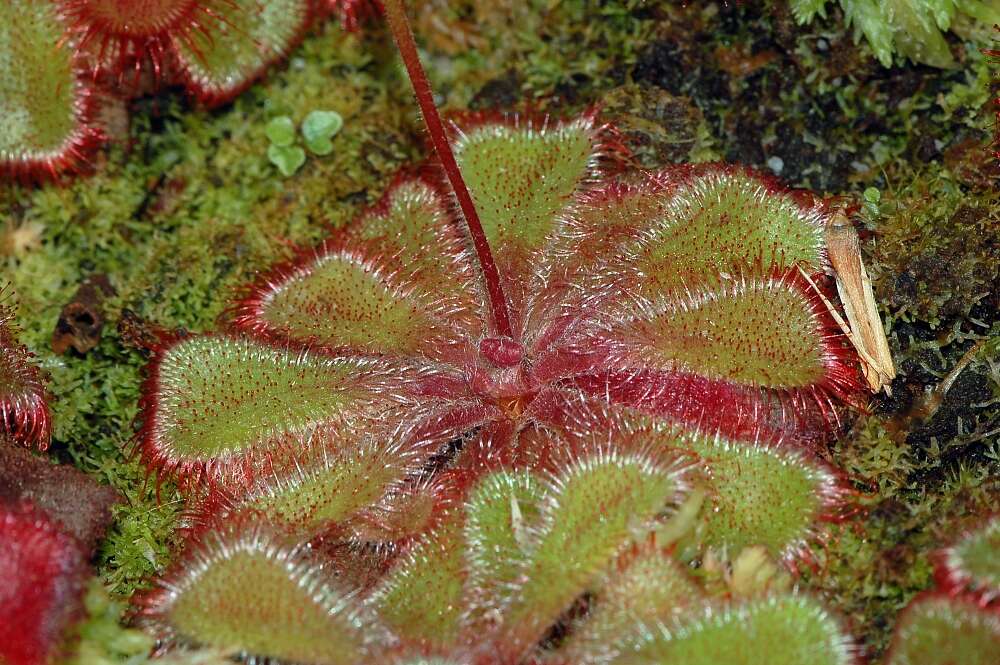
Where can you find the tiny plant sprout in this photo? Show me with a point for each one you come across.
(282, 151)
(318, 128)
(281, 131)
(288, 159)
(872, 197)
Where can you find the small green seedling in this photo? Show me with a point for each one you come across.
(318, 129)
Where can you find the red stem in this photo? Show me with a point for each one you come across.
(395, 13)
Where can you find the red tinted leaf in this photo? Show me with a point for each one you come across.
(42, 575)
(24, 413)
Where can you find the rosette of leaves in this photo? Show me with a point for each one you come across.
(367, 396)
(449, 424)
(53, 53)
(673, 299)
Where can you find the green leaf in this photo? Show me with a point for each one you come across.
(318, 128)
(499, 513)
(243, 590)
(805, 10)
(225, 56)
(753, 332)
(42, 98)
(714, 227)
(917, 33)
(335, 477)
(938, 630)
(755, 493)
(281, 131)
(781, 630)
(643, 586)
(761, 495)
(421, 598)
(220, 405)
(288, 159)
(593, 509)
(522, 175)
(412, 221)
(973, 563)
(868, 18)
(344, 297)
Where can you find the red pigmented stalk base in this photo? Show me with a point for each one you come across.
(396, 16)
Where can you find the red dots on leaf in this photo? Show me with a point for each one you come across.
(24, 412)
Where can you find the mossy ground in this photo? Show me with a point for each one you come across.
(185, 206)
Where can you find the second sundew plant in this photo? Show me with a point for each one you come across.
(496, 418)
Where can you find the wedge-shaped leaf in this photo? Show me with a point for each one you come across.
(413, 230)
(244, 589)
(938, 630)
(758, 494)
(44, 99)
(42, 577)
(718, 222)
(779, 630)
(763, 333)
(346, 298)
(217, 406)
(24, 412)
(973, 562)
(766, 348)
(331, 477)
(223, 57)
(522, 174)
(645, 585)
(499, 513)
(421, 598)
(594, 508)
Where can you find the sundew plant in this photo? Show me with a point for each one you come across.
(535, 405)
